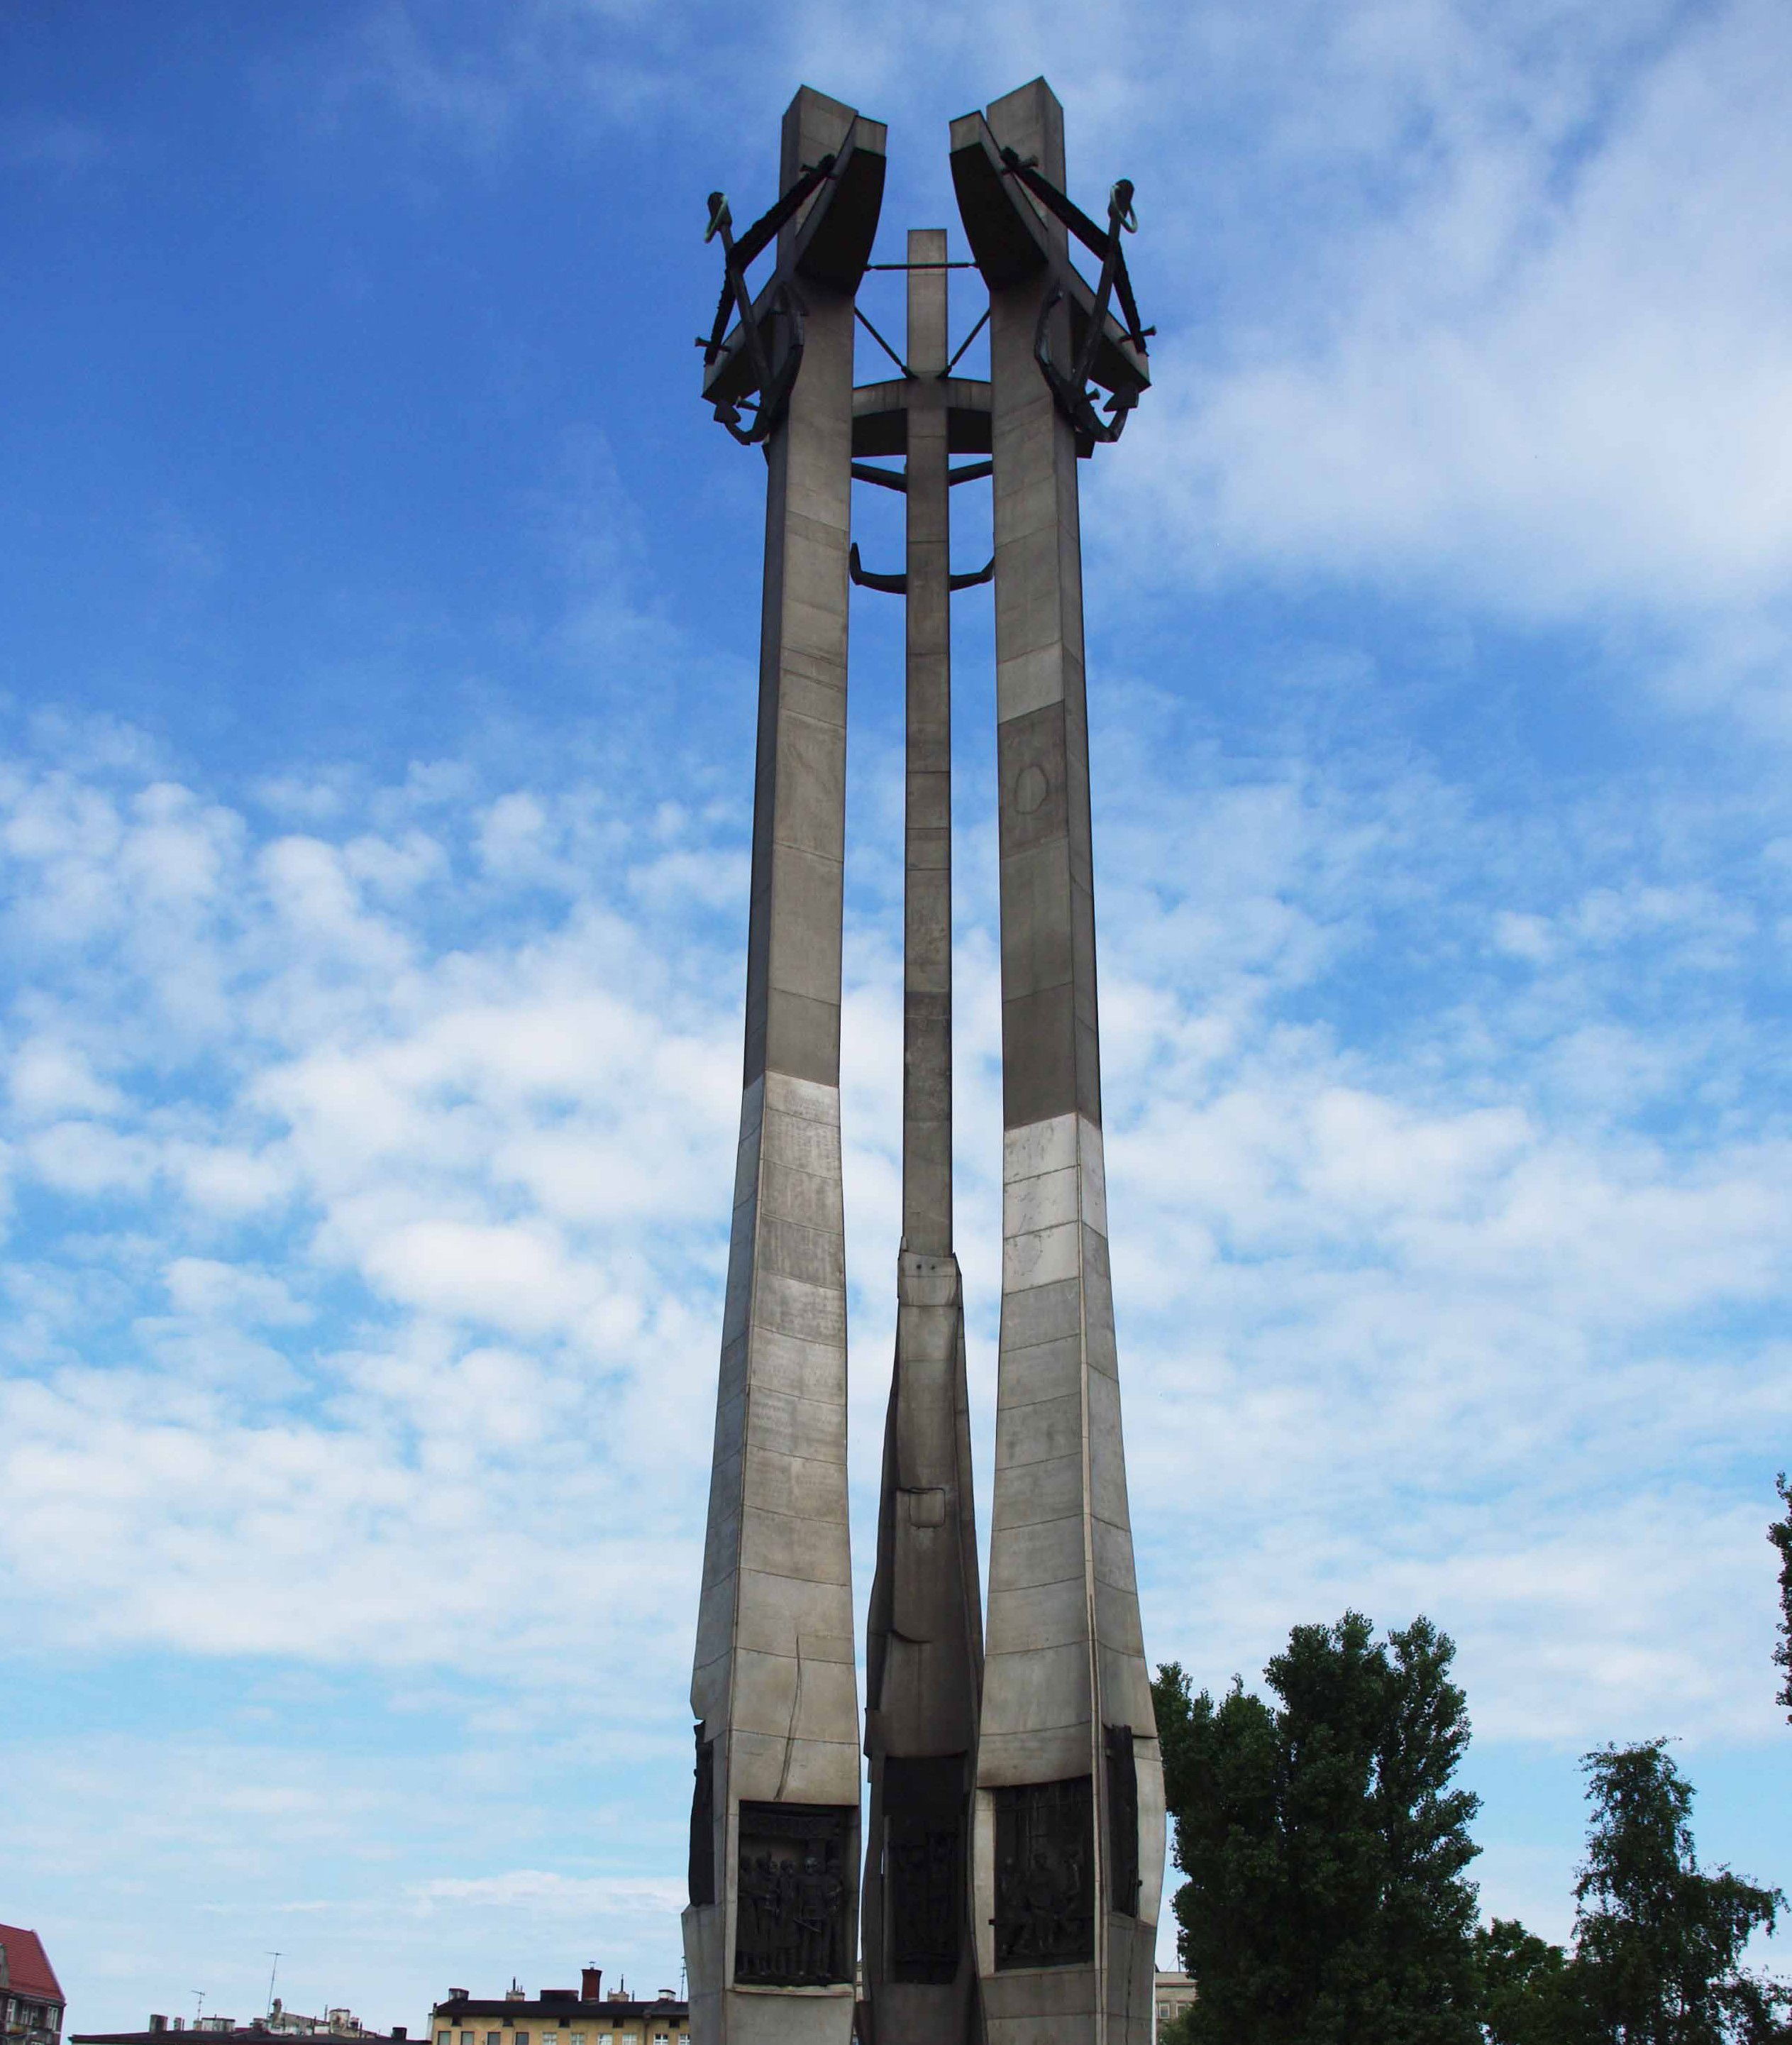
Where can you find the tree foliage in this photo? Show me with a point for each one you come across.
(1780, 1533)
(1659, 1943)
(1525, 1987)
(1324, 1845)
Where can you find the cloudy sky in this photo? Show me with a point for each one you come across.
(376, 678)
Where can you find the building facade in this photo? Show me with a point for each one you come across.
(1175, 1994)
(31, 1997)
(584, 2016)
(279, 2024)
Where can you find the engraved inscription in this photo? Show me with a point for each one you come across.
(793, 1917)
(1045, 1874)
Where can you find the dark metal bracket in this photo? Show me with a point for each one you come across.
(786, 307)
(898, 585)
(1075, 394)
(891, 478)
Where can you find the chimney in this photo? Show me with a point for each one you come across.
(591, 1985)
(158, 2023)
(401, 2030)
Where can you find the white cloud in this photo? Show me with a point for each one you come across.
(1548, 372)
(555, 1895)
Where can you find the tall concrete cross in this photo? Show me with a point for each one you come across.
(1047, 1783)
(771, 1934)
(923, 1637)
(1069, 1840)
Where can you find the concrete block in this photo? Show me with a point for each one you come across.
(1032, 1688)
(1125, 1689)
(814, 1313)
(1030, 753)
(1111, 1548)
(810, 1198)
(1093, 1151)
(1031, 1492)
(1039, 1067)
(1037, 947)
(1041, 1616)
(1044, 1201)
(807, 1100)
(765, 1694)
(1043, 1256)
(773, 1611)
(813, 1255)
(1035, 1994)
(1117, 1620)
(824, 1771)
(805, 923)
(1046, 1370)
(1049, 1552)
(811, 782)
(1044, 1433)
(1035, 1147)
(809, 1491)
(1027, 681)
(811, 1428)
(790, 1365)
(801, 1036)
(800, 1143)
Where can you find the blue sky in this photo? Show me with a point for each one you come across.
(376, 681)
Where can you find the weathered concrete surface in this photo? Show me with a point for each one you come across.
(1064, 1659)
(924, 1644)
(774, 1683)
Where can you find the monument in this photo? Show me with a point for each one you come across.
(1015, 1845)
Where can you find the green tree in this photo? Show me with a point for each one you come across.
(1525, 1988)
(1780, 1533)
(1658, 1942)
(1323, 1846)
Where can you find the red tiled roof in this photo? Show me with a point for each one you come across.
(28, 1965)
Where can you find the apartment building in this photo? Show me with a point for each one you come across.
(584, 2016)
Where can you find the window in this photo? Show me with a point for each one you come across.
(444, 2038)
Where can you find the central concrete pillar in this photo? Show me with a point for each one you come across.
(770, 1934)
(924, 1644)
(1069, 1844)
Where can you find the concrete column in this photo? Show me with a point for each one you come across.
(927, 934)
(1069, 1841)
(924, 1644)
(774, 1687)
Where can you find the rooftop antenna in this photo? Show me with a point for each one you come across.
(271, 1972)
(198, 1995)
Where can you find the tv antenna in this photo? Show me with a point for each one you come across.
(198, 1996)
(271, 1972)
